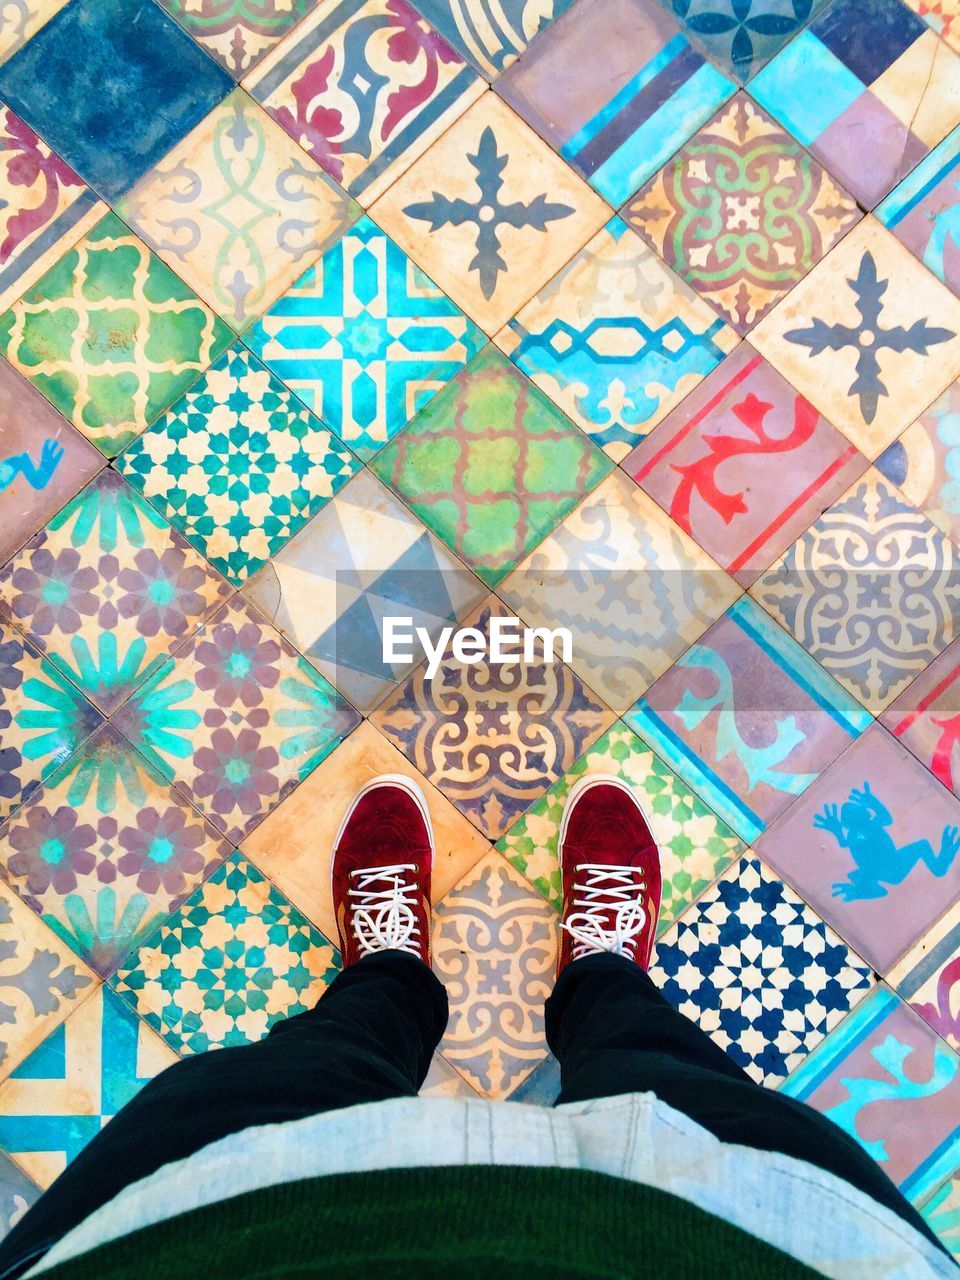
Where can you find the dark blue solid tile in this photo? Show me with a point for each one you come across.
(868, 35)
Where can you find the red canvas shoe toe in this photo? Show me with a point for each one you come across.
(382, 861)
(610, 870)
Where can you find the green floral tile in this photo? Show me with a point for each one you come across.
(491, 465)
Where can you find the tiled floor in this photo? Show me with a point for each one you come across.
(639, 317)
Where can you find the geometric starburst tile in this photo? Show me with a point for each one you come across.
(235, 719)
(491, 465)
(616, 339)
(19, 21)
(943, 16)
(741, 35)
(238, 33)
(491, 34)
(110, 335)
(748, 718)
(924, 211)
(107, 588)
(757, 970)
(232, 961)
(490, 213)
(492, 738)
(885, 1078)
(75, 1082)
(742, 212)
(924, 463)
(871, 590)
(872, 846)
(695, 845)
(365, 86)
(106, 849)
(709, 464)
(238, 210)
(868, 88)
(926, 717)
(17, 1191)
(365, 339)
(928, 977)
(869, 337)
(633, 91)
(238, 464)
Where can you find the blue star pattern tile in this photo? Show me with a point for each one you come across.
(491, 34)
(741, 35)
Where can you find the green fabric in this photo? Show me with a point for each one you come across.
(458, 1223)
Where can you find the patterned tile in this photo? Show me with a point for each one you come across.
(365, 338)
(748, 719)
(238, 33)
(709, 464)
(490, 213)
(942, 16)
(365, 86)
(41, 980)
(232, 961)
(888, 1081)
(60, 1098)
(616, 339)
(491, 466)
(363, 558)
(872, 846)
(89, 79)
(493, 737)
(295, 844)
(21, 19)
(238, 465)
(759, 971)
(110, 335)
(742, 212)
(923, 463)
(741, 35)
(491, 34)
(867, 337)
(871, 590)
(616, 88)
(632, 588)
(928, 977)
(238, 210)
(107, 588)
(235, 719)
(17, 1191)
(926, 717)
(442, 1081)
(106, 849)
(924, 211)
(887, 92)
(495, 949)
(695, 845)
(942, 1212)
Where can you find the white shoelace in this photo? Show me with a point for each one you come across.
(384, 913)
(607, 888)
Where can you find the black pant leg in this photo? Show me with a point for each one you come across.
(370, 1037)
(613, 1032)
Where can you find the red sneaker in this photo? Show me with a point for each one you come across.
(382, 859)
(610, 871)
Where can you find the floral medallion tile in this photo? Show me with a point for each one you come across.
(887, 91)
(868, 337)
(365, 86)
(491, 465)
(238, 464)
(491, 34)
(923, 212)
(238, 210)
(44, 206)
(20, 19)
(238, 33)
(928, 977)
(494, 943)
(926, 717)
(742, 212)
(616, 88)
(943, 16)
(17, 1192)
(871, 590)
(493, 737)
(886, 1079)
(709, 464)
(942, 1214)
(365, 339)
(41, 980)
(748, 719)
(630, 586)
(73, 1083)
(759, 971)
(695, 845)
(741, 37)
(294, 845)
(364, 558)
(43, 461)
(107, 588)
(490, 213)
(106, 849)
(232, 961)
(235, 719)
(110, 335)
(616, 339)
(872, 846)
